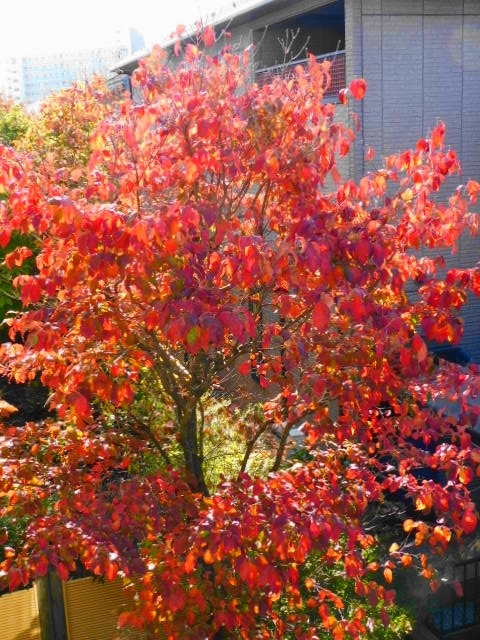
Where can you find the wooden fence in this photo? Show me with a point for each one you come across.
(91, 610)
(19, 619)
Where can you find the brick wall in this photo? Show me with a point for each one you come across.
(421, 60)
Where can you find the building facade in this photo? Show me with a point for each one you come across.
(31, 78)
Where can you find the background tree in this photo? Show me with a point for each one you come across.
(57, 140)
(13, 122)
(60, 132)
(200, 247)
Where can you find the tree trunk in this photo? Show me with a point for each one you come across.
(190, 446)
(51, 607)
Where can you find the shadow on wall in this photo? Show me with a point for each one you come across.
(32, 633)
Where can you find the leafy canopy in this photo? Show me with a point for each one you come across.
(199, 259)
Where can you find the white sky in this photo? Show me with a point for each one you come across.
(29, 26)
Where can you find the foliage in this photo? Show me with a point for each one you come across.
(198, 255)
(325, 586)
(9, 297)
(57, 140)
(59, 135)
(13, 122)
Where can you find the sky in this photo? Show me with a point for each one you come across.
(34, 26)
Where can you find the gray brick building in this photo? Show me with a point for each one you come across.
(421, 60)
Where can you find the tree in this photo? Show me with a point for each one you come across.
(57, 140)
(13, 122)
(202, 261)
(59, 135)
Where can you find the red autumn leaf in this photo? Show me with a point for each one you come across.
(457, 585)
(362, 251)
(245, 368)
(320, 316)
(63, 571)
(473, 189)
(31, 290)
(419, 347)
(342, 96)
(176, 599)
(208, 36)
(42, 566)
(14, 579)
(358, 88)
(17, 257)
(124, 619)
(438, 135)
(81, 406)
(469, 522)
(5, 237)
(384, 617)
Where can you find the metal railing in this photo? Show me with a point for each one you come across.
(337, 71)
(453, 612)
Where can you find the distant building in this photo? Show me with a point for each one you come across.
(31, 78)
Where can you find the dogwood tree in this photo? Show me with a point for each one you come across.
(200, 260)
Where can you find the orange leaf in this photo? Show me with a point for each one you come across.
(190, 562)
(123, 619)
(407, 560)
(75, 175)
(191, 171)
(6, 408)
(208, 557)
(465, 475)
(309, 584)
(443, 534)
(111, 571)
(408, 525)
